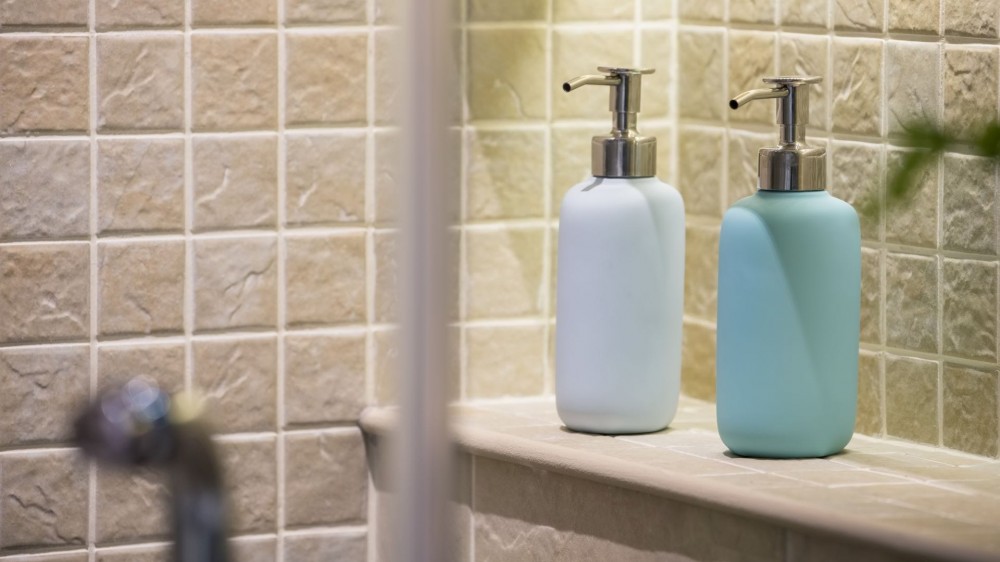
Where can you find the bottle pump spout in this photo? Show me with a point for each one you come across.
(623, 153)
(792, 165)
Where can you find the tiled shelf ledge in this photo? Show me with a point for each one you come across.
(902, 500)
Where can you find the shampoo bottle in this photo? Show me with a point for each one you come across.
(621, 279)
(789, 299)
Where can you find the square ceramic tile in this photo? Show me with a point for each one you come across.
(577, 52)
(325, 178)
(971, 18)
(504, 272)
(140, 185)
(969, 199)
(324, 378)
(751, 57)
(503, 73)
(44, 186)
(40, 392)
(47, 297)
(912, 84)
(233, 12)
(701, 177)
(504, 361)
(969, 313)
(44, 500)
(911, 389)
(325, 279)
(970, 409)
(333, 460)
(45, 13)
(911, 302)
(239, 379)
(495, 188)
(141, 287)
(140, 82)
(700, 58)
(51, 91)
(970, 89)
(139, 14)
(234, 81)
(327, 79)
(235, 283)
(856, 86)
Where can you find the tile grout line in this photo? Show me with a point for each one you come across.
(94, 279)
(371, 506)
(282, 279)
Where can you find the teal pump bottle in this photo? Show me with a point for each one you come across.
(789, 299)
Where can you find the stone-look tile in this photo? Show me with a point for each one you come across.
(664, 150)
(141, 553)
(251, 475)
(163, 363)
(970, 192)
(811, 13)
(974, 18)
(386, 276)
(235, 182)
(388, 11)
(504, 272)
(969, 318)
(572, 519)
(140, 82)
(504, 66)
(695, 10)
(857, 178)
(970, 89)
(701, 271)
(656, 100)
(45, 84)
(504, 361)
(914, 16)
(911, 302)
(325, 546)
(700, 181)
(575, 52)
(45, 189)
(698, 362)
(387, 170)
(701, 56)
(140, 185)
(235, 283)
(743, 148)
(239, 379)
(139, 13)
(857, 86)
(970, 409)
(911, 389)
(751, 11)
(858, 15)
(239, 12)
(44, 499)
(386, 344)
(325, 178)
(388, 79)
(332, 461)
(254, 549)
(325, 279)
(325, 11)
(871, 296)
(141, 287)
(571, 160)
(132, 505)
(496, 188)
(53, 381)
(869, 416)
(912, 79)
(585, 10)
(656, 10)
(324, 378)
(44, 290)
(45, 13)
(807, 55)
(914, 220)
(751, 55)
(327, 76)
(234, 81)
(514, 10)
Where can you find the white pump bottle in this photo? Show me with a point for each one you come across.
(621, 279)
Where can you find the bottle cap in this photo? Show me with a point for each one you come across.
(792, 165)
(623, 153)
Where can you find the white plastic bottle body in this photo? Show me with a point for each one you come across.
(619, 305)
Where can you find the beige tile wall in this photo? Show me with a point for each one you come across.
(203, 191)
(188, 192)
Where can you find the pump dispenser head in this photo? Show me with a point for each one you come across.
(623, 153)
(793, 165)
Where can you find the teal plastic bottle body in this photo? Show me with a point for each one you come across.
(788, 324)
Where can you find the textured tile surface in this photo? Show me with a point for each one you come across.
(970, 409)
(43, 292)
(44, 188)
(140, 289)
(870, 415)
(698, 361)
(911, 389)
(914, 220)
(324, 378)
(701, 271)
(325, 281)
(140, 82)
(239, 379)
(701, 56)
(504, 272)
(140, 13)
(498, 189)
(140, 185)
(44, 13)
(700, 177)
(44, 499)
(325, 11)
(43, 89)
(921, 16)
(221, 12)
(504, 361)
(911, 302)
(576, 52)
(132, 505)
(251, 483)
(333, 461)
(325, 179)
(235, 182)
(235, 282)
(970, 89)
(327, 77)
(911, 88)
(330, 546)
(33, 382)
(502, 76)
(969, 314)
(234, 81)
(975, 18)
(856, 86)
(969, 199)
